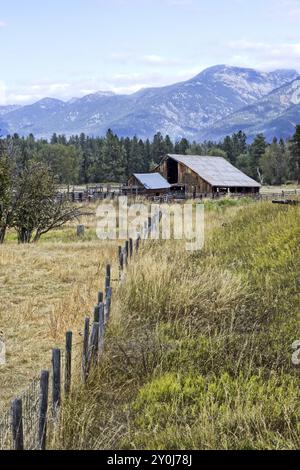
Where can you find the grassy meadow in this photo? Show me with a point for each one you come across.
(198, 353)
(46, 289)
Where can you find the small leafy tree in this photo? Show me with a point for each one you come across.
(35, 208)
(274, 163)
(217, 152)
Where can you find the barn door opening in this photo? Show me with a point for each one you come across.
(172, 171)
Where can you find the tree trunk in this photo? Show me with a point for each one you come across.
(24, 235)
(2, 234)
(37, 237)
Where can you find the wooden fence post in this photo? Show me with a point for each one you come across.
(17, 424)
(43, 408)
(126, 252)
(121, 259)
(108, 304)
(85, 351)
(93, 344)
(137, 244)
(100, 297)
(107, 281)
(108, 276)
(56, 380)
(96, 313)
(80, 230)
(101, 330)
(68, 363)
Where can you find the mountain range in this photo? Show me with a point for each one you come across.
(217, 102)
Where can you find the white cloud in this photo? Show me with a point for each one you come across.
(121, 83)
(151, 60)
(2, 24)
(19, 98)
(265, 56)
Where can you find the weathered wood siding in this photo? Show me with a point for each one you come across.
(187, 177)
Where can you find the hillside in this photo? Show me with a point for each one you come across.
(188, 109)
(275, 115)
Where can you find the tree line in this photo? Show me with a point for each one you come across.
(83, 159)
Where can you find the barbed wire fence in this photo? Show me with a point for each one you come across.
(25, 425)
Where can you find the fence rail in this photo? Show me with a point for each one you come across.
(26, 424)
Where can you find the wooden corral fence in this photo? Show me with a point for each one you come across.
(112, 191)
(26, 424)
(89, 193)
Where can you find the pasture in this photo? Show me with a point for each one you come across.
(45, 289)
(198, 350)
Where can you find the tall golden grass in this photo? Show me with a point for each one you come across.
(198, 355)
(47, 289)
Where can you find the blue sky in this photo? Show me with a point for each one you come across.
(66, 48)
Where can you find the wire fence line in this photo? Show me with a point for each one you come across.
(25, 425)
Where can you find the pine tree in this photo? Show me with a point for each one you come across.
(136, 164)
(228, 148)
(182, 147)
(239, 141)
(158, 148)
(54, 139)
(295, 154)
(256, 151)
(169, 147)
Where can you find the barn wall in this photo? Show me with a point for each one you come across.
(193, 182)
(187, 177)
(134, 182)
(162, 169)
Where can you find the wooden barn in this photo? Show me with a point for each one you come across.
(200, 175)
(148, 184)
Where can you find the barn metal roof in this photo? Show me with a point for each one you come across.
(152, 180)
(216, 171)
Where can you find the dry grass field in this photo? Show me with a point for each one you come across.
(46, 289)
